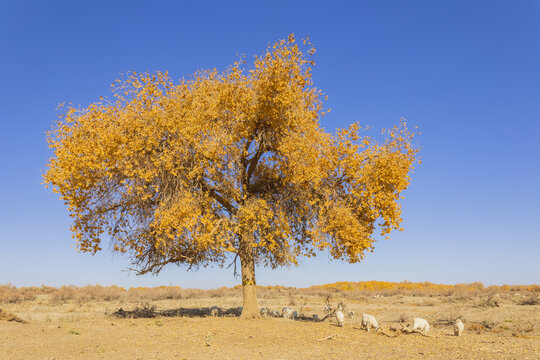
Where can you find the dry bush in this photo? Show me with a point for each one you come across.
(10, 317)
(143, 311)
(67, 293)
(291, 300)
(64, 294)
(156, 293)
(482, 326)
(46, 290)
(351, 291)
(10, 294)
(489, 301)
(98, 293)
(426, 303)
(223, 292)
(476, 327)
(403, 318)
(459, 298)
(523, 328)
(530, 300)
(448, 320)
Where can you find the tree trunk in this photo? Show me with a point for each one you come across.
(250, 309)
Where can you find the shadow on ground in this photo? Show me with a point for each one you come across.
(148, 311)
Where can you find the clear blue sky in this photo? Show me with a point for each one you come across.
(467, 73)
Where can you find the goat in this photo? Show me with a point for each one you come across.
(340, 317)
(420, 325)
(369, 321)
(264, 312)
(288, 313)
(458, 327)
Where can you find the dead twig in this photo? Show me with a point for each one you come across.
(335, 336)
(381, 330)
(207, 339)
(408, 331)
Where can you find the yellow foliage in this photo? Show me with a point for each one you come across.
(424, 287)
(190, 172)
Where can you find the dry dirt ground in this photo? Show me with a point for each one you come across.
(72, 330)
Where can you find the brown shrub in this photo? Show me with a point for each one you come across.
(9, 294)
(523, 328)
(403, 318)
(488, 301)
(531, 300)
(10, 317)
(481, 326)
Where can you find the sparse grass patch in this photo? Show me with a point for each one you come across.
(521, 329)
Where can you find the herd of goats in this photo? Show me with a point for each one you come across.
(368, 322)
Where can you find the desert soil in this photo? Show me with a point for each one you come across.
(89, 331)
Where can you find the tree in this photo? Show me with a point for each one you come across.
(226, 164)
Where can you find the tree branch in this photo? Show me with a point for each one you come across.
(216, 196)
(255, 159)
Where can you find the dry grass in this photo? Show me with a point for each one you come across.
(12, 295)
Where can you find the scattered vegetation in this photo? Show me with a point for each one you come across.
(361, 291)
(10, 317)
(530, 300)
(522, 329)
(482, 326)
(489, 301)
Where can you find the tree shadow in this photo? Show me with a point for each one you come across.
(150, 311)
(147, 311)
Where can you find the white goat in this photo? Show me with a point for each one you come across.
(315, 317)
(458, 327)
(275, 313)
(420, 325)
(340, 317)
(369, 321)
(264, 312)
(287, 313)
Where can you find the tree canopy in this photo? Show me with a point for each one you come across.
(226, 163)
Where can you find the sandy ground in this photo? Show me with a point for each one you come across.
(89, 331)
